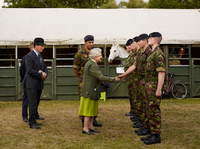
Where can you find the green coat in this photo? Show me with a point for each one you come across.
(91, 81)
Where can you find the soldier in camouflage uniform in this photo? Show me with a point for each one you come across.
(129, 78)
(80, 59)
(140, 64)
(130, 46)
(154, 77)
(135, 82)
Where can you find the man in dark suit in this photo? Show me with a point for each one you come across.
(36, 73)
(25, 100)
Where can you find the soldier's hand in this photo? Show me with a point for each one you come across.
(117, 79)
(158, 93)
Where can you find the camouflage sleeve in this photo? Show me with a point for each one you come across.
(76, 63)
(135, 61)
(160, 62)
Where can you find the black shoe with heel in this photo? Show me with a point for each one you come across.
(94, 130)
(87, 132)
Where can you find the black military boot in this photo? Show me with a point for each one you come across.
(144, 132)
(137, 125)
(147, 137)
(132, 117)
(96, 124)
(135, 119)
(129, 114)
(153, 139)
(136, 131)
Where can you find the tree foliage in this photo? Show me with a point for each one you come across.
(54, 3)
(174, 4)
(110, 4)
(136, 4)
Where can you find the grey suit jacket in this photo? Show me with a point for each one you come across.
(33, 65)
(91, 81)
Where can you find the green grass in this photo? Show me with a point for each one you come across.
(62, 127)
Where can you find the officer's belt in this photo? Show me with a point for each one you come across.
(141, 77)
(151, 79)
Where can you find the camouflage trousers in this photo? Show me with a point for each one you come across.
(141, 100)
(130, 93)
(135, 95)
(80, 85)
(152, 108)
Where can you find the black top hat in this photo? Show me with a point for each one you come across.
(39, 41)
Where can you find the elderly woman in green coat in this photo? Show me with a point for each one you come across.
(90, 91)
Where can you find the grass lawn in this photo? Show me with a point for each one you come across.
(62, 127)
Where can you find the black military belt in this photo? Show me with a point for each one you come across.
(142, 77)
(151, 79)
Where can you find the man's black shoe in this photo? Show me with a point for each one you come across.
(155, 138)
(144, 132)
(39, 118)
(96, 124)
(147, 137)
(25, 119)
(138, 125)
(130, 114)
(136, 131)
(35, 126)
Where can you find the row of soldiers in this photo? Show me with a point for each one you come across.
(145, 72)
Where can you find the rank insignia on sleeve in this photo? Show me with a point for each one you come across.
(160, 57)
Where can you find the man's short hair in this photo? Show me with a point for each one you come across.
(31, 44)
(159, 39)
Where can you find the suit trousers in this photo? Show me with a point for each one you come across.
(34, 99)
(25, 102)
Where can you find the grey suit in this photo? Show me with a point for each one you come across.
(91, 81)
(34, 83)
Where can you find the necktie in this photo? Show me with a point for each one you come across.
(39, 56)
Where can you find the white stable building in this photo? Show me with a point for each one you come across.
(64, 29)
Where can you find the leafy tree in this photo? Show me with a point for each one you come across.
(54, 3)
(136, 4)
(122, 4)
(110, 4)
(174, 4)
(133, 4)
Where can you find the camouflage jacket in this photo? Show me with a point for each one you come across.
(155, 63)
(129, 61)
(140, 61)
(80, 59)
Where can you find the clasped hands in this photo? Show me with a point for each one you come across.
(119, 78)
(44, 75)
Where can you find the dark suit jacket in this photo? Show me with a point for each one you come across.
(22, 70)
(92, 79)
(33, 78)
